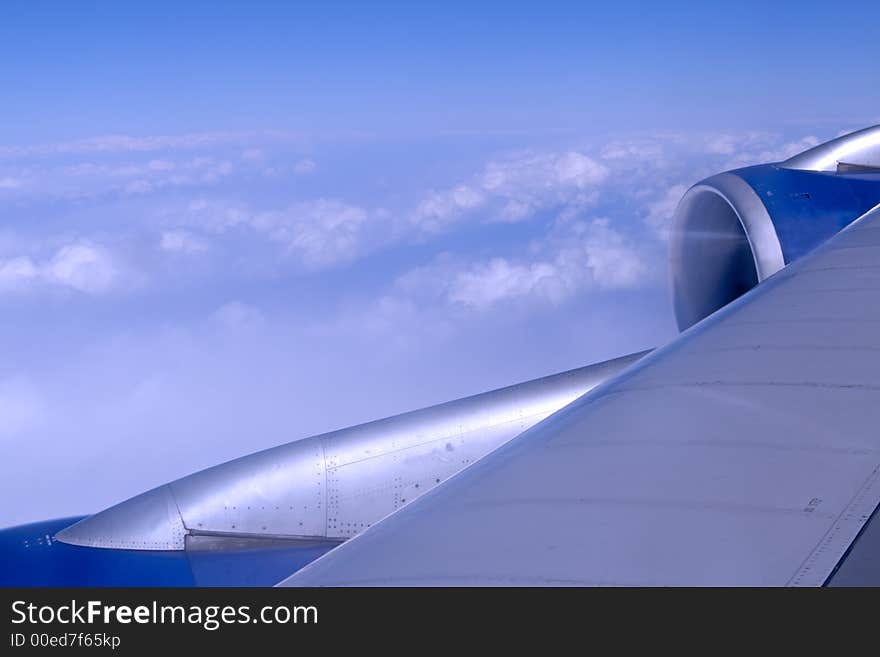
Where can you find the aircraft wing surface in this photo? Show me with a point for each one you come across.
(745, 452)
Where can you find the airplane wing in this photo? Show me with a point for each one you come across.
(745, 452)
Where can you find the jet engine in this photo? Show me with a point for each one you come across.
(735, 229)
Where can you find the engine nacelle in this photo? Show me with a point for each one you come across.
(735, 229)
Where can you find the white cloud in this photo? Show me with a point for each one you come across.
(324, 232)
(581, 256)
(612, 261)
(181, 241)
(17, 273)
(543, 172)
(499, 279)
(321, 233)
(755, 148)
(134, 178)
(723, 144)
(82, 266)
(790, 149)
(216, 216)
(660, 211)
(437, 208)
(514, 189)
(635, 177)
(327, 232)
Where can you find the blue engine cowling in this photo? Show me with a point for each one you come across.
(733, 230)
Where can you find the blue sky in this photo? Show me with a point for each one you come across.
(225, 226)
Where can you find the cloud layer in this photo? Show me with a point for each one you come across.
(178, 301)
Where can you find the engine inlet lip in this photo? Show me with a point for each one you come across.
(755, 225)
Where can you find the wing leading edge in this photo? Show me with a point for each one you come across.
(745, 452)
